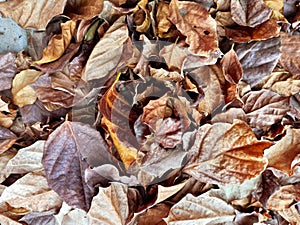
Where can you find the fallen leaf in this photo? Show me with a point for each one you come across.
(7, 139)
(83, 9)
(165, 28)
(174, 56)
(204, 209)
(58, 43)
(66, 158)
(249, 13)
(32, 14)
(8, 69)
(164, 193)
(27, 159)
(258, 59)
(194, 21)
(7, 221)
(44, 218)
(290, 53)
(264, 108)
(141, 17)
(277, 7)
(153, 215)
(162, 74)
(70, 216)
(4, 159)
(22, 93)
(105, 58)
(226, 153)
(289, 146)
(111, 205)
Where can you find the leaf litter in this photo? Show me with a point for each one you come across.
(151, 112)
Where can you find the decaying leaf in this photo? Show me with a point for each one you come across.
(8, 69)
(194, 21)
(44, 218)
(289, 146)
(164, 26)
(66, 157)
(83, 9)
(207, 208)
(32, 14)
(4, 160)
(225, 153)
(249, 13)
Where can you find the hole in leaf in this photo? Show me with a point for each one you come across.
(206, 32)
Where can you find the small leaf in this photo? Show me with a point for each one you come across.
(7, 139)
(83, 9)
(40, 218)
(8, 69)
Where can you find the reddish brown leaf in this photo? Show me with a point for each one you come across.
(290, 57)
(194, 21)
(258, 59)
(249, 13)
(66, 157)
(225, 153)
(164, 26)
(264, 108)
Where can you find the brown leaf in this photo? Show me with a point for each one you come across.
(225, 153)
(277, 7)
(230, 115)
(249, 13)
(32, 13)
(105, 58)
(290, 56)
(66, 158)
(289, 147)
(194, 21)
(231, 67)
(174, 56)
(111, 205)
(4, 160)
(154, 215)
(83, 9)
(58, 43)
(69, 215)
(7, 221)
(264, 108)
(162, 74)
(22, 93)
(141, 17)
(207, 208)
(258, 59)
(264, 31)
(164, 26)
(7, 139)
(284, 197)
(8, 69)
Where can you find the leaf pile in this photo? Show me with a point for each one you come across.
(151, 112)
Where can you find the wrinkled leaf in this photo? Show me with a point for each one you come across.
(194, 21)
(32, 13)
(83, 9)
(8, 69)
(7, 139)
(225, 153)
(164, 26)
(44, 218)
(264, 108)
(289, 147)
(207, 208)
(249, 13)
(66, 156)
(4, 160)
(258, 59)
(70, 216)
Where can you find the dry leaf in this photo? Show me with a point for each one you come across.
(165, 28)
(194, 21)
(83, 9)
(22, 93)
(207, 208)
(58, 43)
(289, 147)
(7, 139)
(27, 159)
(7, 221)
(249, 13)
(4, 160)
(8, 69)
(264, 108)
(40, 218)
(258, 59)
(70, 216)
(290, 57)
(141, 17)
(32, 13)
(277, 7)
(225, 153)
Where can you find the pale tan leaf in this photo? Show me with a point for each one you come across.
(4, 160)
(22, 93)
(7, 221)
(277, 7)
(165, 192)
(162, 74)
(70, 216)
(282, 154)
(284, 197)
(32, 13)
(249, 13)
(194, 21)
(226, 153)
(107, 54)
(207, 208)
(58, 43)
(28, 159)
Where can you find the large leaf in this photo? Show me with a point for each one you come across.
(264, 108)
(226, 153)
(69, 150)
(207, 208)
(108, 52)
(32, 13)
(249, 13)
(194, 21)
(290, 56)
(284, 152)
(8, 69)
(258, 59)
(112, 206)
